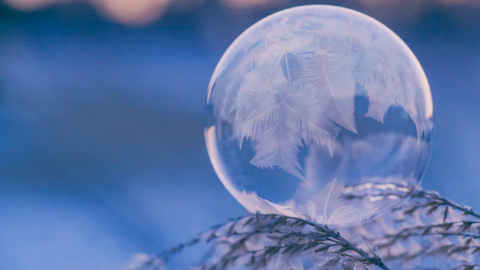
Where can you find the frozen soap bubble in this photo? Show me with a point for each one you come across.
(319, 112)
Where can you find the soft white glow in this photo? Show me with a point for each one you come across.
(241, 4)
(146, 11)
(132, 12)
(28, 4)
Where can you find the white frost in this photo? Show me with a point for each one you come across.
(296, 86)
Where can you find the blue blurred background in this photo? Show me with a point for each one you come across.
(101, 112)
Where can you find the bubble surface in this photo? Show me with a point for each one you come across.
(319, 112)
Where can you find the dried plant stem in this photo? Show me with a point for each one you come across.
(435, 199)
(425, 218)
(344, 243)
(319, 238)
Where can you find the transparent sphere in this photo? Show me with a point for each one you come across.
(319, 112)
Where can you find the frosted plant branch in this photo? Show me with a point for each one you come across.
(322, 239)
(434, 200)
(424, 229)
(263, 241)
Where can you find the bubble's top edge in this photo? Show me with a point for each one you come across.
(411, 55)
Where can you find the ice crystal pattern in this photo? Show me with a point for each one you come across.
(327, 207)
(330, 207)
(296, 82)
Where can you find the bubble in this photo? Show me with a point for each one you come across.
(319, 112)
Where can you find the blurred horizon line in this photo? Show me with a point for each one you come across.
(144, 12)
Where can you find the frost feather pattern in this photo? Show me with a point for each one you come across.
(296, 85)
(329, 207)
(279, 123)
